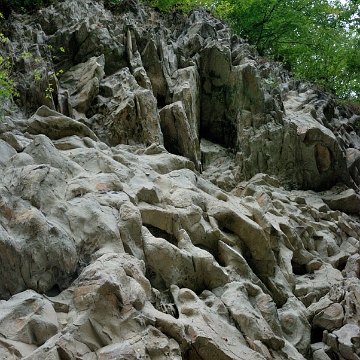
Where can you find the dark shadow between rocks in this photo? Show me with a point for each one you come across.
(298, 269)
(159, 233)
(54, 291)
(316, 334)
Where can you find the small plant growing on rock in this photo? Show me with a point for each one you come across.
(23, 6)
(34, 64)
(7, 86)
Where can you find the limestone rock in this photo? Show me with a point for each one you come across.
(352, 268)
(330, 318)
(238, 298)
(185, 266)
(179, 138)
(55, 125)
(347, 201)
(311, 288)
(35, 253)
(28, 317)
(351, 306)
(353, 163)
(41, 151)
(319, 351)
(130, 119)
(164, 202)
(348, 338)
(82, 83)
(7, 151)
(225, 343)
(296, 329)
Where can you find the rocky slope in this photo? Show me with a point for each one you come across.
(166, 194)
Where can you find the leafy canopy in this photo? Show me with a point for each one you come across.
(319, 40)
(6, 6)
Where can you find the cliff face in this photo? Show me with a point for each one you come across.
(166, 194)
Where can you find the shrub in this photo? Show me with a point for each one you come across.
(7, 86)
(7, 6)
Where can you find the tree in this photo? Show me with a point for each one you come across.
(7, 6)
(318, 39)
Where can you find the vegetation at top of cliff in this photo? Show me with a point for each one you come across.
(318, 40)
(7, 6)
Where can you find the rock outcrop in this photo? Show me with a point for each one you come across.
(173, 196)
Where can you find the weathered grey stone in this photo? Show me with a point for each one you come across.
(7, 151)
(55, 125)
(348, 336)
(353, 163)
(294, 324)
(35, 252)
(351, 304)
(312, 288)
(67, 346)
(238, 298)
(82, 83)
(319, 351)
(179, 137)
(83, 184)
(347, 201)
(43, 152)
(16, 141)
(330, 318)
(126, 113)
(226, 342)
(28, 317)
(143, 243)
(186, 266)
(352, 268)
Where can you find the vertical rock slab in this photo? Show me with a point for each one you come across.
(179, 137)
(125, 112)
(82, 83)
(180, 121)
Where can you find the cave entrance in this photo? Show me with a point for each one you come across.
(218, 122)
(220, 131)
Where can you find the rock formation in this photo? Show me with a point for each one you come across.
(167, 194)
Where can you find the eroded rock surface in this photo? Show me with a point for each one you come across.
(168, 201)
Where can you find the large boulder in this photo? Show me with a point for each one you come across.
(29, 318)
(56, 126)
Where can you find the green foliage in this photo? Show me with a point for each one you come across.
(316, 38)
(6, 6)
(37, 75)
(7, 86)
(35, 63)
(319, 40)
(173, 5)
